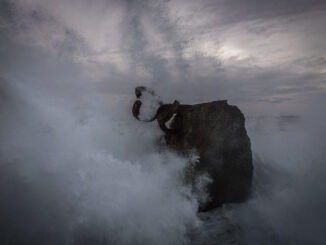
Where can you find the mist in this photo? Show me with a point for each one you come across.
(63, 181)
(77, 168)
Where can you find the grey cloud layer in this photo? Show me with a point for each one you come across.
(245, 51)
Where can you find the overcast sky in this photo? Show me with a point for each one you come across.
(265, 56)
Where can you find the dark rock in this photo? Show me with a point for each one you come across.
(216, 130)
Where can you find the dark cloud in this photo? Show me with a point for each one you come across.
(236, 11)
(166, 66)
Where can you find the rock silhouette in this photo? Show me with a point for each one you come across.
(216, 130)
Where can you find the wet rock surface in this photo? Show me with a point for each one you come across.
(216, 131)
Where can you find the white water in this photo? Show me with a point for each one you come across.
(82, 176)
(68, 178)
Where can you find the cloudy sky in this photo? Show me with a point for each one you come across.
(262, 55)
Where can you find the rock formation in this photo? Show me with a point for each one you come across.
(216, 131)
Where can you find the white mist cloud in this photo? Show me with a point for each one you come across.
(73, 185)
